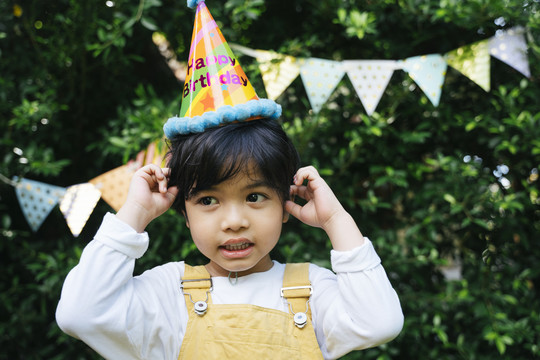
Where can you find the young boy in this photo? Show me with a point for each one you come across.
(232, 172)
(235, 198)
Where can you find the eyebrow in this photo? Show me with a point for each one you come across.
(250, 186)
(257, 184)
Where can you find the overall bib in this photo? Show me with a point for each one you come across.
(244, 331)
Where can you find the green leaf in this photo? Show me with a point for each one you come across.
(449, 198)
(501, 346)
(376, 131)
(119, 142)
(149, 24)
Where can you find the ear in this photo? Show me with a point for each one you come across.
(285, 213)
(285, 216)
(185, 216)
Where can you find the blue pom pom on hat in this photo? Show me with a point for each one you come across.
(216, 90)
(193, 3)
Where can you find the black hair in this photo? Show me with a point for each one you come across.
(202, 160)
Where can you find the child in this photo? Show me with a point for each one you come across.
(232, 183)
(234, 197)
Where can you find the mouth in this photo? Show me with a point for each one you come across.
(236, 248)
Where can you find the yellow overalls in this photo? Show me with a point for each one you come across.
(244, 331)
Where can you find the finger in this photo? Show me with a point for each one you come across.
(151, 169)
(293, 189)
(173, 190)
(293, 209)
(162, 182)
(306, 173)
(158, 171)
(155, 177)
(301, 191)
(172, 193)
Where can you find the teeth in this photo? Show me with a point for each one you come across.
(233, 247)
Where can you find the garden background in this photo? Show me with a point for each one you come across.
(447, 193)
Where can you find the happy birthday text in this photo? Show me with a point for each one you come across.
(208, 79)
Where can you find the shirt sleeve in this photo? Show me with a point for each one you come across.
(116, 314)
(355, 308)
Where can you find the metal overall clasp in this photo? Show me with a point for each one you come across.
(200, 307)
(300, 318)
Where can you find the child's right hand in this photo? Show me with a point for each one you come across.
(148, 197)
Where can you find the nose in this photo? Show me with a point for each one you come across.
(234, 218)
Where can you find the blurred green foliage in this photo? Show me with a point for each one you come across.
(83, 89)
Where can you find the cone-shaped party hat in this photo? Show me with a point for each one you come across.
(216, 90)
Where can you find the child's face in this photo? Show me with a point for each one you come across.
(236, 224)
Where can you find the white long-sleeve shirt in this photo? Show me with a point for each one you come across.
(144, 317)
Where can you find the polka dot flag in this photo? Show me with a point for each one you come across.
(370, 78)
(473, 61)
(278, 72)
(114, 185)
(320, 78)
(37, 199)
(428, 72)
(510, 47)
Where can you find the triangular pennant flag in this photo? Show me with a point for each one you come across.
(37, 199)
(473, 61)
(114, 185)
(510, 47)
(278, 71)
(77, 205)
(369, 78)
(320, 78)
(428, 72)
(156, 153)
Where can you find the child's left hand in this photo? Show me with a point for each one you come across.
(322, 205)
(323, 209)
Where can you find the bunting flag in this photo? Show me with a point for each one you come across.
(114, 185)
(320, 78)
(370, 78)
(473, 61)
(510, 47)
(428, 72)
(77, 205)
(278, 72)
(77, 202)
(156, 153)
(37, 199)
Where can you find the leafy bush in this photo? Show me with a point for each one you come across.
(446, 190)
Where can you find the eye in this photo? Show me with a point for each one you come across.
(255, 198)
(207, 201)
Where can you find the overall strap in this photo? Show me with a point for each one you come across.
(196, 285)
(297, 287)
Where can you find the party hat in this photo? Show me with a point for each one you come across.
(216, 90)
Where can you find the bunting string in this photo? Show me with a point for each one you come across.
(320, 78)
(77, 202)
(371, 77)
